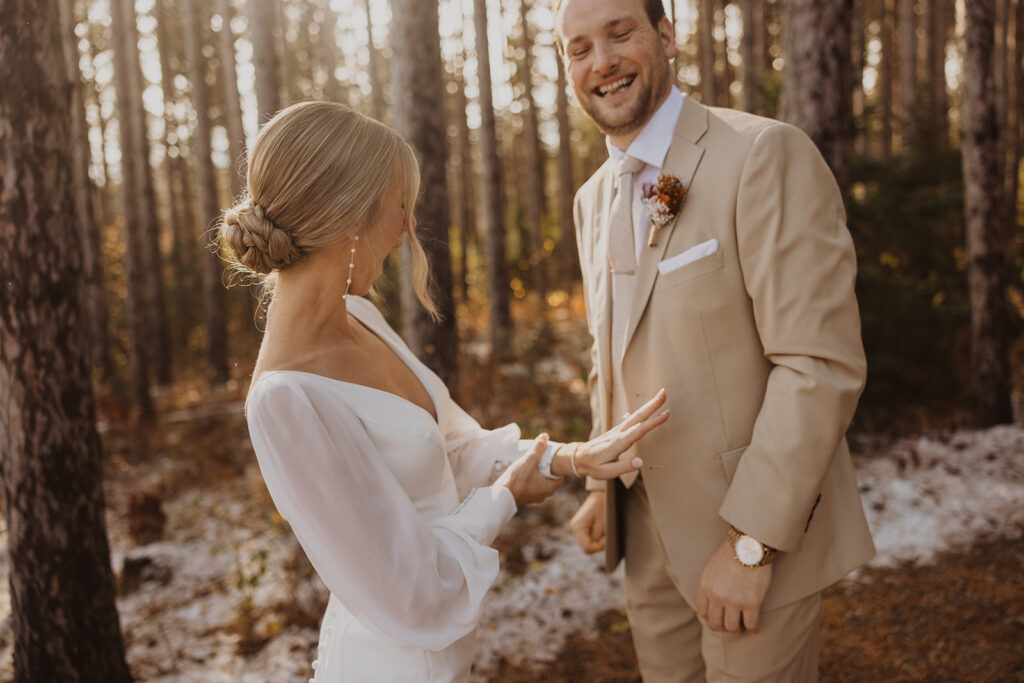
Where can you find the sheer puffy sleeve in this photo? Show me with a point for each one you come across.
(416, 581)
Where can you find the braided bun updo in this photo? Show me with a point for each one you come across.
(256, 242)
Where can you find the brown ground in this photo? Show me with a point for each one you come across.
(961, 619)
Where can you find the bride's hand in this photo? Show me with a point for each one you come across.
(523, 478)
(599, 458)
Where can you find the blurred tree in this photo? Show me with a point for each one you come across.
(157, 328)
(490, 195)
(753, 62)
(706, 37)
(858, 60)
(535, 162)
(885, 76)
(376, 86)
(983, 220)
(907, 21)
(264, 57)
(567, 257)
(94, 293)
(332, 88)
(419, 85)
(816, 83)
(134, 262)
(63, 618)
(936, 34)
(465, 213)
(232, 102)
(206, 187)
(725, 74)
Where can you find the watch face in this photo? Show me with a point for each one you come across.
(748, 550)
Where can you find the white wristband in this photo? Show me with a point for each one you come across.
(544, 467)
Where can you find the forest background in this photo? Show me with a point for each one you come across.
(917, 105)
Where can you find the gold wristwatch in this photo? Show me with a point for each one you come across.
(749, 551)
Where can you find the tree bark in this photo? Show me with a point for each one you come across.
(261, 33)
(706, 33)
(885, 77)
(94, 292)
(333, 92)
(491, 193)
(908, 68)
(983, 217)
(535, 164)
(419, 84)
(63, 617)
(466, 213)
(206, 186)
(232, 103)
(376, 86)
(134, 264)
(752, 65)
(815, 87)
(935, 36)
(858, 102)
(157, 325)
(568, 258)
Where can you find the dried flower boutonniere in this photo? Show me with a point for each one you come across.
(662, 201)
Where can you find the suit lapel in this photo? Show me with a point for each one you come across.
(683, 158)
(602, 288)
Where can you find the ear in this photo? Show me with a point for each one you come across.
(667, 34)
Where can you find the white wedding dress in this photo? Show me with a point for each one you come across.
(393, 510)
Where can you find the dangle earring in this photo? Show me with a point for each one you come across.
(351, 265)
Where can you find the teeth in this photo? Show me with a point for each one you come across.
(611, 87)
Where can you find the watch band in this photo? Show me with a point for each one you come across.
(735, 536)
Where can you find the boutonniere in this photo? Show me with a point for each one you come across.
(662, 201)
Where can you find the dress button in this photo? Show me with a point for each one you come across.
(316, 663)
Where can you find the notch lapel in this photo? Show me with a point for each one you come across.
(684, 156)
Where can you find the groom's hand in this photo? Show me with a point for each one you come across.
(587, 524)
(730, 595)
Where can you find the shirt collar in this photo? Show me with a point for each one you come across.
(651, 144)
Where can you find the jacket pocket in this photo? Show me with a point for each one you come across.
(730, 460)
(691, 270)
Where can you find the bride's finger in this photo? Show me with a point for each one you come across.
(646, 410)
(617, 468)
(539, 444)
(637, 431)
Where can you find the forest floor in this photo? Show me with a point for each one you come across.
(213, 586)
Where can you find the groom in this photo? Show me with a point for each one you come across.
(741, 304)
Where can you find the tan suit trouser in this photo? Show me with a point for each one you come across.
(673, 644)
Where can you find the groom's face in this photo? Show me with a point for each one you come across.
(618, 63)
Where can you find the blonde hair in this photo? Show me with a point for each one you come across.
(317, 173)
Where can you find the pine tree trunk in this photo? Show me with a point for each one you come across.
(261, 33)
(333, 92)
(94, 293)
(816, 87)
(908, 68)
(157, 325)
(206, 186)
(858, 103)
(751, 75)
(376, 86)
(232, 103)
(1016, 137)
(63, 618)
(983, 218)
(725, 72)
(706, 32)
(885, 77)
(935, 36)
(491, 194)
(466, 214)
(568, 258)
(134, 262)
(534, 196)
(419, 84)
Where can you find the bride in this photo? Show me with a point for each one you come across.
(394, 492)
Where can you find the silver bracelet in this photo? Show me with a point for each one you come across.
(544, 467)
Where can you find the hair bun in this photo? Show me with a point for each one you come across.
(256, 241)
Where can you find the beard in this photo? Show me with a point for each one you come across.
(638, 112)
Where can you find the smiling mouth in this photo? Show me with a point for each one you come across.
(615, 86)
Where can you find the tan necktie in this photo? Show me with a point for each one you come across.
(621, 247)
(622, 260)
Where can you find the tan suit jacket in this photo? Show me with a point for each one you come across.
(758, 346)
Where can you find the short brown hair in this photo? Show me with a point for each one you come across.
(654, 8)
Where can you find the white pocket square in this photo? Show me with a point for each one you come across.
(689, 256)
